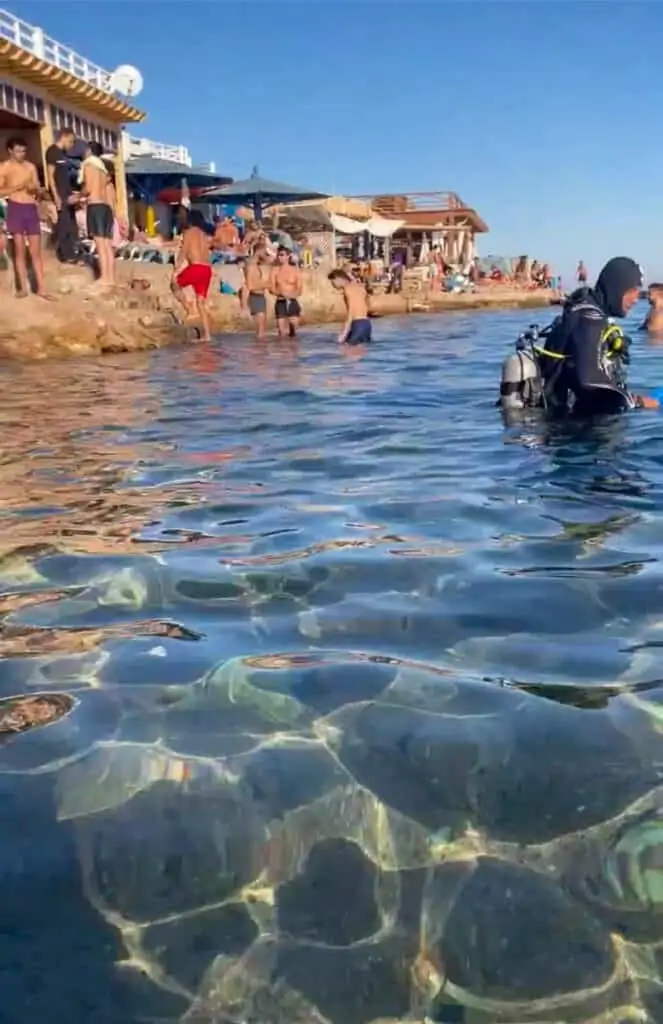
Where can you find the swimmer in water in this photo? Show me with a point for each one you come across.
(357, 327)
(654, 319)
(286, 285)
(193, 270)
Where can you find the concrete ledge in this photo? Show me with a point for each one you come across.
(82, 321)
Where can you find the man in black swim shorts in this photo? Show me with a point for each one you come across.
(99, 212)
(286, 283)
(257, 277)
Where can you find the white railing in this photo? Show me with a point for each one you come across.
(160, 150)
(35, 41)
(135, 147)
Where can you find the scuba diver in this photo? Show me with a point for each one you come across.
(578, 364)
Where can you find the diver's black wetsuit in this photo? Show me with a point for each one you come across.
(584, 371)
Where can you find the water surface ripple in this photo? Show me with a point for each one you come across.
(357, 694)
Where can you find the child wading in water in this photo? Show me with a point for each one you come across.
(193, 270)
(357, 327)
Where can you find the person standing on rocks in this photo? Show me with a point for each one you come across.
(193, 270)
(58, 172)
(19, 184)
(99, 212)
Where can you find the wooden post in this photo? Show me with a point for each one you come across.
(121, 185)
(45, 134)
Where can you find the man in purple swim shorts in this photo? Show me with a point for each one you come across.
(19, 184)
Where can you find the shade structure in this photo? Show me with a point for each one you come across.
(147, 176)
(259, 192)
(307, 217)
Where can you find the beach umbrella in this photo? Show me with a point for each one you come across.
(259, 192)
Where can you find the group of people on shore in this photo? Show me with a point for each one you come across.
(27, 202)
(264, 278)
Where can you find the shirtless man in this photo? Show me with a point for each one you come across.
(98, 190)
(226, 235)
(192, 270)
(654, 320)
(257, 277)
(357, 327)
(286, 284)
(254, 237)
(19, 183)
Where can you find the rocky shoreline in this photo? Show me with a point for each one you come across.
(141, 315)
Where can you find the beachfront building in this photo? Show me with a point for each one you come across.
(156, 173)
(134, 148)
(45, 85)
(429, 220)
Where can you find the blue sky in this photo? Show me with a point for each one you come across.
(546, 117)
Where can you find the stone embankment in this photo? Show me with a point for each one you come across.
(82, 320)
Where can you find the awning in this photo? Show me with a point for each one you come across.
(346, 225)
(383, 227)
(379, 227)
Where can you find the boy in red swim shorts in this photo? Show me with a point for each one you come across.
(193, 270)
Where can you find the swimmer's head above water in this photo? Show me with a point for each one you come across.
(654, 319)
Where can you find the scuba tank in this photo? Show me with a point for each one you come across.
(521, 385)
(529, 374)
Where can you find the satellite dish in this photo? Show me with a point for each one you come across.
(127, 80)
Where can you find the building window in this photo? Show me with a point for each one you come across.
(84, 130)
(17, 101)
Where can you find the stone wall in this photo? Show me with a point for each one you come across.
(142, 314)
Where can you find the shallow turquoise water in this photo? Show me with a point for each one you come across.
(366, 690)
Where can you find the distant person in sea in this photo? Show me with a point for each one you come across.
(654, 320)
(287, 285)
(257, 281)
(357, 327)
(582, 359)
(19, 185)
(97, 190)
(193, 270)
(581, 274)
(66, 198)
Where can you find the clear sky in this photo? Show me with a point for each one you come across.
(544, 116)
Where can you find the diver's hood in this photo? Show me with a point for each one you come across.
(618, 276)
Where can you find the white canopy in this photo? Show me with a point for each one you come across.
(379, 227)
(383, 227)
